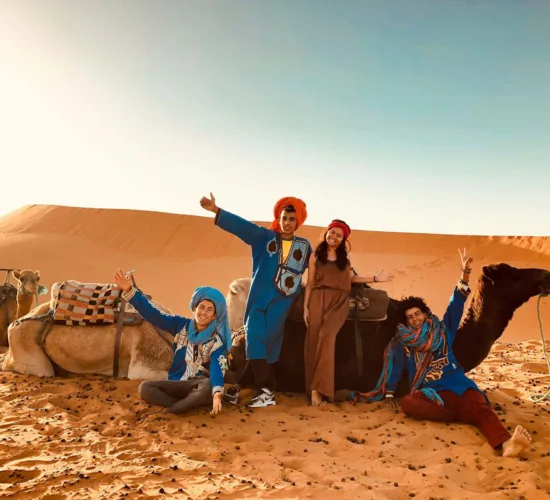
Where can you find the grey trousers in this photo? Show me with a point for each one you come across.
(177, 395)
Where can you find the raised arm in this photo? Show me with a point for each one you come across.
(247, 231)
(168, 322)
(455, 309)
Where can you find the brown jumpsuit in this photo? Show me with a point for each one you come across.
(328, 310)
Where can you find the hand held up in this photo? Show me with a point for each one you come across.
(209, 203)
(122, 281)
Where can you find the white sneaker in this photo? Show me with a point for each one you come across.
(264, 398)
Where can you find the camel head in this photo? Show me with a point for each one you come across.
(516, 285)
(28, 281)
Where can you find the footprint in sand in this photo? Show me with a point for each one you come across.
(197, 456)
(32, 462)
(21, 456)
(510, 392)
(294, 465)
(18, 476)
(501, 347)
(11, 421)
(242, 438)
(47, 429)
(535, 367)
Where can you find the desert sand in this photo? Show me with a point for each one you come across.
(92, 437)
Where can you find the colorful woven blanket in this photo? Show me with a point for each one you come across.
(84, 304)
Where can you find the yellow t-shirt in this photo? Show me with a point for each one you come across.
(287, 244)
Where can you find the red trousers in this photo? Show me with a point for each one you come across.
(470, 408)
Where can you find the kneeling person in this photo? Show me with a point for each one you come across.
(201, 345)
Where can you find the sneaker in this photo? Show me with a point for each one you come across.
(264, 398)
(232, 395)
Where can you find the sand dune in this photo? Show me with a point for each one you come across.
(92, 437)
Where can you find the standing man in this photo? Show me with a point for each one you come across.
(439, 389)
(279, 259)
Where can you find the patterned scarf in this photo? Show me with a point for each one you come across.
(425, 341)
(220, 323)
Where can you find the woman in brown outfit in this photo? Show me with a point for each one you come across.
(326, 306)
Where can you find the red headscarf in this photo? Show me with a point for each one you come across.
(342, 225)
(299, 205)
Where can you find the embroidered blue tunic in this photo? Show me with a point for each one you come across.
(275, 284)
(190, 360)
(444, 372)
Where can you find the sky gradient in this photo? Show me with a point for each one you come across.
(404, 115)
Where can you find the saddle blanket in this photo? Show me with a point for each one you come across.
(84, 304)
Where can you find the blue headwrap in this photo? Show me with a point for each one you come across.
(220, 323)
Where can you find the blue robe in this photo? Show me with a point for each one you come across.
(275, 284)
(190, 360)
(444, 373)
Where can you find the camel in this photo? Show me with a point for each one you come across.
(500, 290)
(15, 302)
(38, 346)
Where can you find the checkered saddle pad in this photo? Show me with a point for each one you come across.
(84, 304)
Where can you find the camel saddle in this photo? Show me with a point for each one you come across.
(82, 304)
(365, 304)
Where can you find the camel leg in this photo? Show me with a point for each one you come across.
(25, 354)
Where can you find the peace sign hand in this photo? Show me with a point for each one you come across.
(209, 203)
(466, 260)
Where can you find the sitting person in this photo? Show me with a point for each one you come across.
(201, 345)
(440, 390)
(326, 307)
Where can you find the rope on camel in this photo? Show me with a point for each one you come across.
(538, 398)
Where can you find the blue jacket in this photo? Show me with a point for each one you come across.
(190, 360)
(445, 373)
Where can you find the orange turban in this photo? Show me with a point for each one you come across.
(299, 205)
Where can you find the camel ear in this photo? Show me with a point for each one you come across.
(37, 274)
(16, 274)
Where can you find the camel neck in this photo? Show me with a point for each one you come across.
(24, 303)
(489, 311)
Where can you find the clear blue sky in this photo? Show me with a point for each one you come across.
(397, 115)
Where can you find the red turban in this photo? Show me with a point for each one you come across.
(300, 207)
(342, 225)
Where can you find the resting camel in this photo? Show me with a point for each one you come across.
(500, 290)
(15, 302)
(39, 347)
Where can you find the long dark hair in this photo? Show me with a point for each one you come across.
(321, 252)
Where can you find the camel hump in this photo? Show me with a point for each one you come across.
(239, 286)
